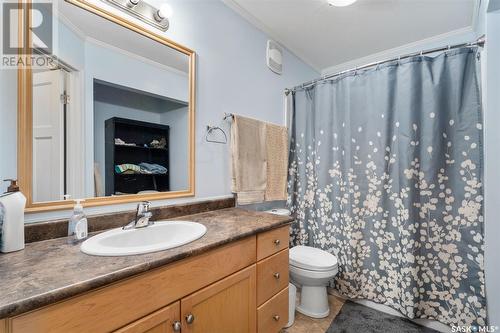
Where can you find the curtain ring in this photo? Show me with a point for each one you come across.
(448, 48)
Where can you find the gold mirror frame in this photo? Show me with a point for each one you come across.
(25, 119)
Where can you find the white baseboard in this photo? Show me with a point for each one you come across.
(434, 324)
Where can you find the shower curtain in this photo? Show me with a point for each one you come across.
(385, 173)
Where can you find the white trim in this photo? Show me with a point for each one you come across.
(135, 56)
(232, 4)
(465, 34)
(76, 142)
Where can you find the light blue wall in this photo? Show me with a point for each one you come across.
(231, 76)
(113, 102)
(106, 110)
(492, 165)
(112, 66)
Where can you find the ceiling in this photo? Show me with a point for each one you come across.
(325, 36)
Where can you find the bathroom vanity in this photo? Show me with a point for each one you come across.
(233, 279)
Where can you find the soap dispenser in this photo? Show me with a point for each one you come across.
(77, 226)
(12, 204)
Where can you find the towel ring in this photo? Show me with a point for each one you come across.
(210, 129)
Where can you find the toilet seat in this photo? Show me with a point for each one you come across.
(313, 274)
(312, 259)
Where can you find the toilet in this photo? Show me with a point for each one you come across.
(311, 269)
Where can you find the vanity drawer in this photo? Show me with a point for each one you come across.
(272, 316)
(272, 241)
(112, 307)
(272, 275)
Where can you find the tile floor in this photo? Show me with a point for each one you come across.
(305, 324)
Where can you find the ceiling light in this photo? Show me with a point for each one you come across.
(341, 3)
(165, 12)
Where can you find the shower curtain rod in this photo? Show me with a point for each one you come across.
(479, 42)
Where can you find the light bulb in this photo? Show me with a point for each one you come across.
(341, 3)
(132, 3)
(164, 12)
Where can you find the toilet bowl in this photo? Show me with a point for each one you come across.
(311, 269)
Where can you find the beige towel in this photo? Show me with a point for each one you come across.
(277, 162)
(249, 166)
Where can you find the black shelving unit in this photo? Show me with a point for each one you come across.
(141, 133)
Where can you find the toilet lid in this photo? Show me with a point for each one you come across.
(311, 258)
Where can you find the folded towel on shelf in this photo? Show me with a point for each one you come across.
(120, 142)
(127, 168)
(277, 162)
(248, 155)
(152, 168)
(162, 143)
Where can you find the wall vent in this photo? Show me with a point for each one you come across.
(274, 57)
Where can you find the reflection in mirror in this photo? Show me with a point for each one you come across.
(112, 117)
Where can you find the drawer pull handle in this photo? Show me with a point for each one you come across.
(276, 317)
(176, 326)
(277, 242)
(276, 275)
(189, 318)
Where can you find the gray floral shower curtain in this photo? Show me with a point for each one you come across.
(385, 172)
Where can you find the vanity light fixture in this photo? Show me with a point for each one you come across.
(132, 3)
(341, 3)
(165, 12)
(156, 17)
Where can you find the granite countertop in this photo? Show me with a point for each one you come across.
(49, 271)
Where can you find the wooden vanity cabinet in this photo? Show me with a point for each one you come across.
(161, 321)
(226, 306)
(225, 290)
(272, 280)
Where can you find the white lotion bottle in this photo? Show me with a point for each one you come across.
(77, 226)
(12, 204)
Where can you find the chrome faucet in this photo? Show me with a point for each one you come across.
(142, 216)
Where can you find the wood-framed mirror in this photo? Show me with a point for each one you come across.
(110, 118)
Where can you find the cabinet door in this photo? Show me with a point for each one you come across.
(161, 321)
(227, 306)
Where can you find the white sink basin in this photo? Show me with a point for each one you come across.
(162, 235)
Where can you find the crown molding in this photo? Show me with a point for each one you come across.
(268, 31)
(465, 34)
(135, 56)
